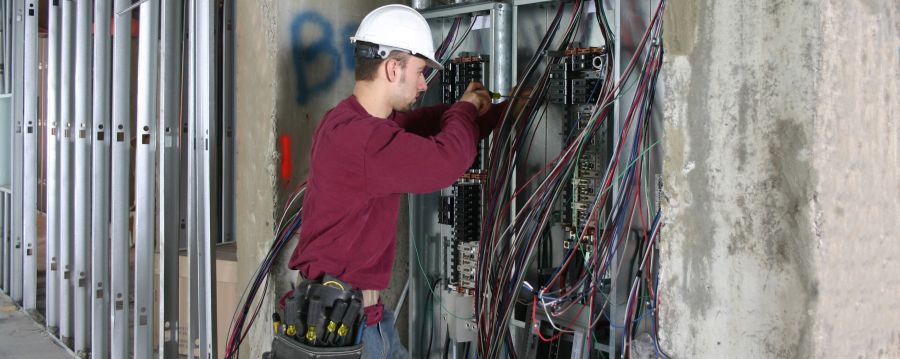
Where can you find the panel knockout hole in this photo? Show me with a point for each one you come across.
(146, 128)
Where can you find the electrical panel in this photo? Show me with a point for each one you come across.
(574, 84)
(576, 79)
(461, 208)
(555, 220)
(459, 72)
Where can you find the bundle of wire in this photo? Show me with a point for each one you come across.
(240, 322)
(441, 53)
(508, 244)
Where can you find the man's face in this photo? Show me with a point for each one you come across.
(410, 84)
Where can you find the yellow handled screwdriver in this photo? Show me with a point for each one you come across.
(497, 96)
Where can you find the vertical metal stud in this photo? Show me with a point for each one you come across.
(67, 265)
(3, 255)
(3, 52)
(8, 21)
(99, 293)
(120, 195)
(7, 238)
(8, 16)
(191, 208)
(81, 225)
(17, 151)
(207, 131)
(31, 88)
(51, 137)
(172, 34)
(227, 108)
(4, 242)
(144, 179)
(4, 236)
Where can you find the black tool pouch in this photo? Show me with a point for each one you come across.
(284, 347)
(322, 319)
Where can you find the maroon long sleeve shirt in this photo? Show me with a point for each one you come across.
(360, 165)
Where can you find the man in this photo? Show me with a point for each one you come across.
(371, 148)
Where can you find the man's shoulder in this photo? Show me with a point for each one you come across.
(346, 116)
(349, 127)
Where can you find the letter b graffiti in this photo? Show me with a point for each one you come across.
(318, 56)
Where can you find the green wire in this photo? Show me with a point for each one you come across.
(427, 281)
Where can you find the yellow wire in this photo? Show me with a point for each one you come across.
(335, 283)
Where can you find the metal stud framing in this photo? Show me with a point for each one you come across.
(5, 48)
(5, 265)
(145, 192)
(88, 132)
(51, 138)
(120, 198)
(31, 88)
(100, 180)
(4, 242)
(17, 151)
(81, 133)
(206, 204)
(5, 208)
(227, 108)
(192, 227)
(172, 33)
(66, 262)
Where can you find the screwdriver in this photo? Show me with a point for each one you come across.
(497, 96)
(276, 321)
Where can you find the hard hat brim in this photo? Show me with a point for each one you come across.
(434, 64)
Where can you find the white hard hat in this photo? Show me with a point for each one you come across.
(397, 27)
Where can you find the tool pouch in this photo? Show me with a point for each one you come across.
(284, 347)
(322, 319)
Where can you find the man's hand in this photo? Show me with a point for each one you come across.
(479, 96)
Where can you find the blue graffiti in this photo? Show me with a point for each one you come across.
(308, 53)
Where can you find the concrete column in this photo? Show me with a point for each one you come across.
(781, 169)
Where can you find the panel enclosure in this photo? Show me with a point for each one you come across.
(483, 52)
(574, 77)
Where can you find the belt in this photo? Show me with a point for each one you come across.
(370, 297)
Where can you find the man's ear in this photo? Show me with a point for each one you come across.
(390, 69)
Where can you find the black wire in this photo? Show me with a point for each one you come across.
(428, 302)
(447, 344)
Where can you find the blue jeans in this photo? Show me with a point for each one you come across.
(382, 340)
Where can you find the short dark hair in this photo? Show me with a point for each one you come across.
(367, 68)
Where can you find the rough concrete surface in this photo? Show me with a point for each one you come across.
(857, 204)
(781, 173)
(255, 171)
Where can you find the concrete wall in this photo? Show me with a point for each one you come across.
(857, 156)
(293, 63)
(782, 180)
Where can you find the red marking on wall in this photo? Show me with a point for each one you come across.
(286, 163)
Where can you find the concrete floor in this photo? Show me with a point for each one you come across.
(21, 337)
